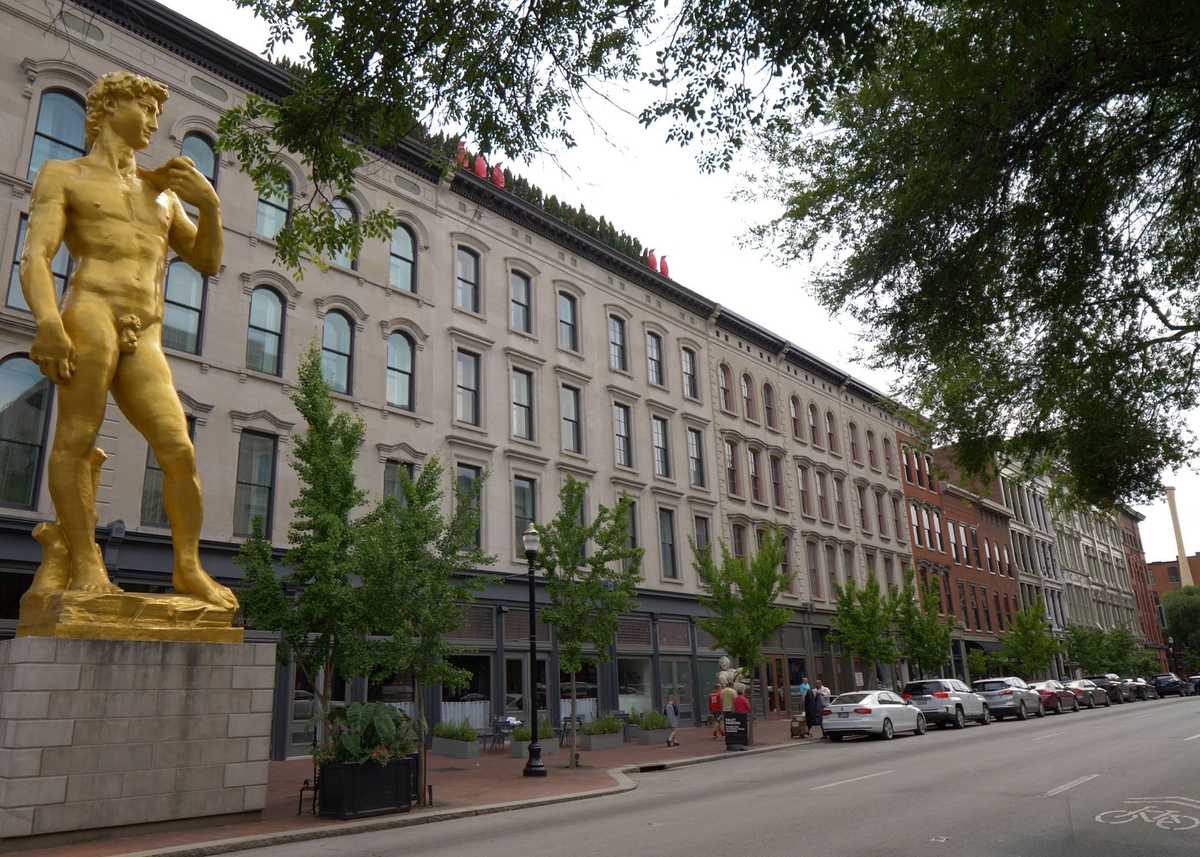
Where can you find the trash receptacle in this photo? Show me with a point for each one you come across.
(799, 726)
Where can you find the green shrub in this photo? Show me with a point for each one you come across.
(463, 731)
(652, 720)
(367, 732)
(608, 725)
(524, 733)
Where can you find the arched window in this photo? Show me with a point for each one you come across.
(928, 461)
(24, 409)
(337, 342)
(906, 462)
(200, 149)
(691, 383)
(402, 270)
(872, 452)
(183, 310)
(59, 133)
(769, 405)
(345, 212)
(751, 412)
(400, 371)
(466, 279)
(831, 431)
(888, 462)
(725, 382)
(618, 357)
(520, 302)
(855, 447)
(916, 466)
(274, 209)
(264, 337)
(655, 370)
(814, 433)
(568, 322)
(794, 413)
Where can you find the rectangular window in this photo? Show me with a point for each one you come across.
(823, 496)
(154, 511)
(467, 480)
(975, 549)
(695, 453)
(572, 428)
(622, 440)
(654, 360)
(953, 540)
(739, 540)
(897, 520)
(937, 532)
(524, 508)
(987, 555)
(975, 608)
(568, 322)
(466, 379)
(255, 482)
(691, 386)
(966, 608)
(805, 489)
(889, 568)
(703, 536)
(659, 434)
(631, 540)
(864, 518)
(521, 302)
(522, 404)
(999, 614)
(755, 475)
(928, 528)
(666, 543)
(733, 481)
(466, 280)
(880, 514)
(393, 482)
(618, 357)
(916, 525)
(814, 573)
(848, 565)
(831, 570)
(777, 481)
(839, 499)
(962, 541)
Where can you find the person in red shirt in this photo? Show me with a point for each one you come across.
(742, 704)
(714, 711)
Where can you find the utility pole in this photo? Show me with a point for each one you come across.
(1185, 571)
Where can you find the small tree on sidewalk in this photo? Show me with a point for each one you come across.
(415, 564)
(742, 596)
(317, 610)
(1088, 649)
(925, 633)
(863, 623)
(592, 572)
(1029, 645)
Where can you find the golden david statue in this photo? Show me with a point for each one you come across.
(119, 221)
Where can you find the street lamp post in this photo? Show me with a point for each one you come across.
(533, 765)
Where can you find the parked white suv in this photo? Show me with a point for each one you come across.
(947, 701)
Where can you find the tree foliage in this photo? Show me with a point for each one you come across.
(863, 623)
(1005, 201)
(1182, 609)
(1029, 646)
(924, 632)
(1087, 647)
(591, 572)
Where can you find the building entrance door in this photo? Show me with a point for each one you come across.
(777, 685)
(517, 683)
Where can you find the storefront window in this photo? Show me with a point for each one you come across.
(633, 684)
(472, 700)
(587, 692)
(677, 679)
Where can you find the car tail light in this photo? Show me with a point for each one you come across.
(941, 694)
(862, 710)
(825, 712)
(906, 695)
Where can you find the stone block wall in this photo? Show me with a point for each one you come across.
(101, 733)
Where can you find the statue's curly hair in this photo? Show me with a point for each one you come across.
(114, 85)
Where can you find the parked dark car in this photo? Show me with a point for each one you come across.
(1144, 689)
(1009, 696)
(1111, 683)
(1089, 694)
(1056, 698)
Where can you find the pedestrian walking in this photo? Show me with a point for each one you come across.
(802, 689)
(714, 712)
(742, 704)
(814, 704)
(824, 690)
(671, 710)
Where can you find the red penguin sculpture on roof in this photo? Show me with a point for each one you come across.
(460, 156)
(662, 267)
(652, 260)
(498, 176)
(481, 169)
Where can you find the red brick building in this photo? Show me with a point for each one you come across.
(1141, 581)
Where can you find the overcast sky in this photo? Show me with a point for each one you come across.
(653, 190)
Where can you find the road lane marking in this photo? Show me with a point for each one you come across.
(1057, 790)
(1050, 735)
(1193, 738)
(851, 780)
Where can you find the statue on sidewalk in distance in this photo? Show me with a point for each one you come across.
(730, 676)
(118, 221)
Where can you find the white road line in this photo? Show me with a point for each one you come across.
(1057, 790)
(1193, 738)
(851, 780)
(1050, 735)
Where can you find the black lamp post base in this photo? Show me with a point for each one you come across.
(533, 765)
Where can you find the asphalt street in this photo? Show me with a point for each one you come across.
(1123, 780)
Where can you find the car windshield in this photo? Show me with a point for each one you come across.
(924, 688)
(850, 698)
(991, 685)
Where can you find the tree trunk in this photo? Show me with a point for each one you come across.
(422, 755)
(574, 722)
(750, 717)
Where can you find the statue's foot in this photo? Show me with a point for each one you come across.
(196, 582)
(91, 576)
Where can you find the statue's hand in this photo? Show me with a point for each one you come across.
(180, 175)
(53, 352)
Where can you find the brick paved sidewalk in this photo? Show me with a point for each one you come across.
(457, 784)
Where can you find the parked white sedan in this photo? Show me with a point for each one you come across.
(871, 712)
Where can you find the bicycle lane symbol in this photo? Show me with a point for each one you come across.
(1166, 813)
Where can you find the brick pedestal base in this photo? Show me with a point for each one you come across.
(100, 733)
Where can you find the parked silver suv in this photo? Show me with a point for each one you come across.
(1010, 696)
(947, 701)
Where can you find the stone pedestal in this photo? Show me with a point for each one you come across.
(102, 733)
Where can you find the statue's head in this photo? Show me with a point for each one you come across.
(127, 103)
(725, 663)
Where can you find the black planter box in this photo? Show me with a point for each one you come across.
(361, 791)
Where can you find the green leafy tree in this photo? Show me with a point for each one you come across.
(1029, 646)
(1087, 647)
(418, 569)
(1122, 650)
(924, 632)
(978, 663)
(317, 609)
(741, 597)
(592, 573)
(864, 623)
(1182, 609)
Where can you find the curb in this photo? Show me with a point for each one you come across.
(625, 783)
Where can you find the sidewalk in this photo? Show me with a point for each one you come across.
(458, 784)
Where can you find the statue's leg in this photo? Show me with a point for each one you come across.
(145, 392)
(81, 404)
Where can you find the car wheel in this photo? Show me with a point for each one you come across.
(1074, 704)
(888, 732)
(921, 727)
(836, 736)
(1022, 714)
(1041, 709)
(986, 717)
(959, 720)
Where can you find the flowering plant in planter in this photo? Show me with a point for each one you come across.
(365, 767)
(366, 732)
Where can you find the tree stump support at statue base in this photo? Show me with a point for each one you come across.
(107, 733)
